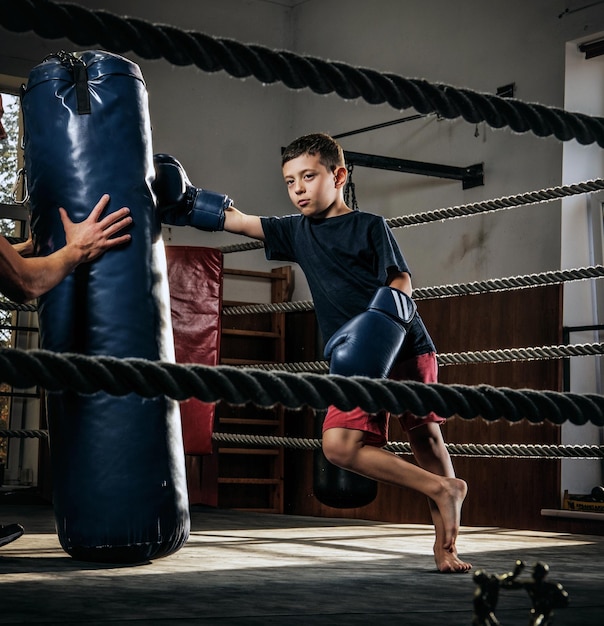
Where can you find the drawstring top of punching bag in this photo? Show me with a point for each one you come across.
(80, 78)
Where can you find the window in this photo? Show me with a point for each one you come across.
(9, 140)
(19, 409)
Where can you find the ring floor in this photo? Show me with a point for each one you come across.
(262, 569)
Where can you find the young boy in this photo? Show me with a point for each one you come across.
(346, 257)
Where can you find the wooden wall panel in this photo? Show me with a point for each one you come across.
(502, 492)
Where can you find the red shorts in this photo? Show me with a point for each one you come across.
(422, 368)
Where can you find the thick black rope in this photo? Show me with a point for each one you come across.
(119, 377)
(118, 34)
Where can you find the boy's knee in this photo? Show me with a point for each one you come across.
(337, 453)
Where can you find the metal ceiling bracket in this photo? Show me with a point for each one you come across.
(470, 176)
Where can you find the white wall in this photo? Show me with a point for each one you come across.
(582, 245)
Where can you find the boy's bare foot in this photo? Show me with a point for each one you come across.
(449, 505)
(447, 561)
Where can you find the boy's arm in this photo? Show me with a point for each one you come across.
(235, 221)
(401, 281)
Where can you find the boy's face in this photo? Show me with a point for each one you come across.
(314, 189)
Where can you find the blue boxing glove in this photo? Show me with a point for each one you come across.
(368, 344)
(180, 203)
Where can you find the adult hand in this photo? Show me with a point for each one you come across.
(94, 236)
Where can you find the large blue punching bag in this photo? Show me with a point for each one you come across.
(119, 485)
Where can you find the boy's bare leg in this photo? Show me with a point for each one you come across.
(431, 453)
(345, 448)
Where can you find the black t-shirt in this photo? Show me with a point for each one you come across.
(345, 260)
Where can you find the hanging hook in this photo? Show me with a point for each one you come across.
(20, 183)
(350, 197)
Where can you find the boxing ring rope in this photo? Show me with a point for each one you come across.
(498, 284)
(149, 379)
(553, 277)
(500, 355)
(526, 451)
(153, 41)
(7, 305)
(483, 450)
(465, 210)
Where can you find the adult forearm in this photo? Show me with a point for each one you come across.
(29, 278)
(23, 279)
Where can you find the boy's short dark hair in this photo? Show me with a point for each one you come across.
(329, 150)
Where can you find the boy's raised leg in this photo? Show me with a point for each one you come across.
(345, 448)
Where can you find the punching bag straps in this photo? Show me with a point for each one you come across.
(80, 77)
